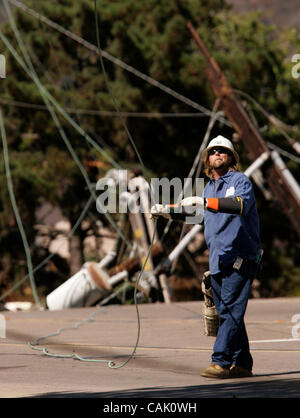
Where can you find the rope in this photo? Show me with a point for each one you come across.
(145, 176)
(136, 304)
(111, 364)
(46, 96)
(44, 350)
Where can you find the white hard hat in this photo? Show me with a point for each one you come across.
(220, 141)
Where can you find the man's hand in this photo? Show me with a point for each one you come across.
(197, 201)
(160, 210)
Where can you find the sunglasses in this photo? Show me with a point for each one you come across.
(220, 150)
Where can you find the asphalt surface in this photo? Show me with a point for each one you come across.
(171, 352)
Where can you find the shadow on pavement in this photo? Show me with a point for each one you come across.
(275, 388)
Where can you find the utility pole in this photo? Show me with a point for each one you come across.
(281, 182)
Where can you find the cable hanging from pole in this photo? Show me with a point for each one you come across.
(118, 62)
(34, 76)
(47, 95)
(17, 214)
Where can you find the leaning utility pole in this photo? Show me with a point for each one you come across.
(281, 182)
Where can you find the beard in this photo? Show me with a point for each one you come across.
(219, 163)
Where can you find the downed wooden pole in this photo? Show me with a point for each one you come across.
(148, 280)
(134, 263)
(84, 288)
(285, 191)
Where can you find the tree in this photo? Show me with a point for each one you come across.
(151, 36)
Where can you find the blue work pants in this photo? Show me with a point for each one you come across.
(231, 290)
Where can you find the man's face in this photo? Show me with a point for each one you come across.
(220, 158)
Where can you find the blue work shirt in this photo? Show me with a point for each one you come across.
(229, 236)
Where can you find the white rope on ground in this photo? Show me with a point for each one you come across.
(146, 178)
(111, 364)
(35, 345)
(33, 75)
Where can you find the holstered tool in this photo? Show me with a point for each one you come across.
(210, 315)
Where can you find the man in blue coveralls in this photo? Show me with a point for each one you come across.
(232, 235)
(231, 228)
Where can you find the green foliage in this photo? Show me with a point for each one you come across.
(151, 36)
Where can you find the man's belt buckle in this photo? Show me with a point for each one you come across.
(238, 263)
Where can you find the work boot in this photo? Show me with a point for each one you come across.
(237, 371)
(215, 371)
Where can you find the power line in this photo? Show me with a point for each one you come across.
(283, 152)
(117, 61)
(281, 127)
(109, 113)
(31, 72)
(17, 213)
(48, 97)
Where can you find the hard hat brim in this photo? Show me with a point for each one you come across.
(233, 152)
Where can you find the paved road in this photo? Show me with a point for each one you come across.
(172, 351)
